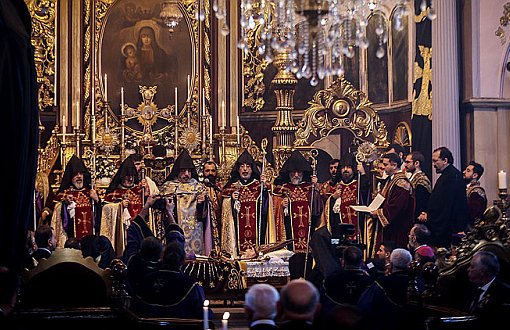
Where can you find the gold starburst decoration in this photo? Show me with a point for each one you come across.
(190, 138)
(107, 140)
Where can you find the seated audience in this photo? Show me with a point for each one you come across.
(491, 300)
(146, 261)
(45, 242)
(260, 306)
(383, 304)
(169, 292)
(8, 287)
(299, 305)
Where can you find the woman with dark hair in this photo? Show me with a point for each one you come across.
(151, 56)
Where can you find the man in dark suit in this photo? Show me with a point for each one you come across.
(491, 300)
(447, 210)
(260, 306)
(45, 241)
(299, 305)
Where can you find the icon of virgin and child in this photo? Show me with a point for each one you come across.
(144, 60)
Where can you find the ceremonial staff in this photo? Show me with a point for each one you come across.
(313, 153)
(263, 146)
(366, 153)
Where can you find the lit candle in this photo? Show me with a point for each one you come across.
(238, 131)
(223, 114)
(206, 314)
(176, 113)
(502, 180)
(122, 101)
(224, 322)
(106, 87)
(64, 129)
(78, 114)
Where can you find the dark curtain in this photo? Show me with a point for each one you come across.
(19, 137)
(421, 125)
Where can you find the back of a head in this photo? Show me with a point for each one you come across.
(299, 300)
(42, 234)
(400, 259)
(261, 299)
(488, 261)
(150, 249)
(352, 256)
(422, 233)
(174, 255)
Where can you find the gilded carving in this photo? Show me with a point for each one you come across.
(422, 105)
(341, 106)
(43, 39)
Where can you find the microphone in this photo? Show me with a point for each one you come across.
(212, 185)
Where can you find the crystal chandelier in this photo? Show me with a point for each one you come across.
(317, 33)
(171, 14)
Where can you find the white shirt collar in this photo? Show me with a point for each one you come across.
(263, 321)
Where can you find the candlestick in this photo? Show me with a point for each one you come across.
(238, 132)
(224, 322)
(223, 114)
(106, 87)
(64, 128)
(206, 314)
(122, 101)
(176, 113)
(502, 180)
(106, 118)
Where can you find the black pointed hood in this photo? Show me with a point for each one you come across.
(183, 162)
(244, 158)
(295, 162)
(75, 165)
(126, 168)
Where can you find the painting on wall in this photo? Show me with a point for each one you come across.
(138, 49)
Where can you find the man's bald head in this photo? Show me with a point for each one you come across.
(299, 300)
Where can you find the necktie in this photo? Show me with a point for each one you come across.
(476, 300)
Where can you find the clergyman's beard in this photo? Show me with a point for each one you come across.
(295, 181)
(467, 180)
(78, 185)
(211, 178)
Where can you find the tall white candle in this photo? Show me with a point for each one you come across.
(203, 102)
(176, 111)
(188, 86)
(224, 322)
(206, 314)
(210, 130)
(106, 87)
(106, 118)
(238, 131)
(78, 114)
(64, 128)
(502, 180)
(223, 114)
(122, 101)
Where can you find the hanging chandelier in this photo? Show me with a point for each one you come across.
(170, 14)
(317, 33)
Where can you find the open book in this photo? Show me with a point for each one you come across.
(376, 203)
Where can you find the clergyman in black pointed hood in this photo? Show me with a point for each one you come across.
(77, 210)
(183, 169)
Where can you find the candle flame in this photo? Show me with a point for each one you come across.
(226, 315)
(206, 303)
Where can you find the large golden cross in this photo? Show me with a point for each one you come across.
(247, 214)
(300, 215)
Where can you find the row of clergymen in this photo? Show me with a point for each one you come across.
(247, 212)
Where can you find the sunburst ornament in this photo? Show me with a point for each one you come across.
(190, 138)
(107, 140)
(366, 153)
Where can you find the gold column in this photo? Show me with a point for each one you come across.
(284, 128)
